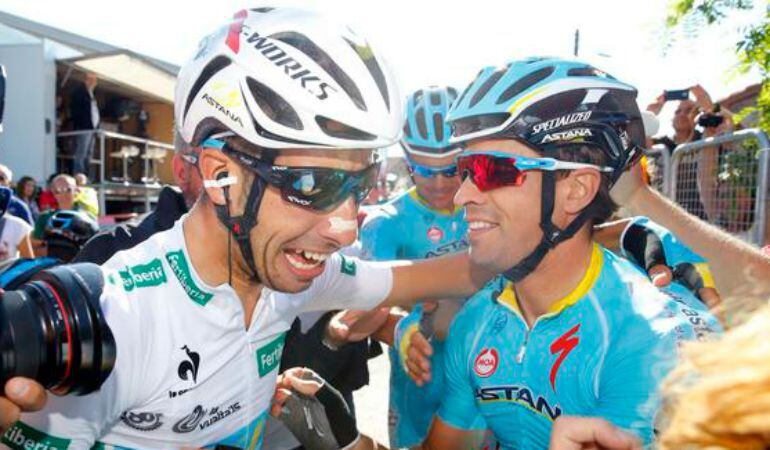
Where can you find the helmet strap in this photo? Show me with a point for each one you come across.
(552, 235)
(239, 227)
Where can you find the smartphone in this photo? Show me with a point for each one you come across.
(679, 94)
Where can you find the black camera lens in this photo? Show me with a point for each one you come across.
(52, 330)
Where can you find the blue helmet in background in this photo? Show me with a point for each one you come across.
(426, 131)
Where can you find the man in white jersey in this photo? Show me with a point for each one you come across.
(286, 109)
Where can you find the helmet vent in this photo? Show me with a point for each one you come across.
(525, 83)
(435, 99)
(342, 131)
(273, 105)
(365, 53)
(422, 128)
(438, 126)
(314, 52)
(266, 9)
(485, 87)
(211, 69)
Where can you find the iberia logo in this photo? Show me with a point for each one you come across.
(563, 346)
(486, 363)
(435, 234)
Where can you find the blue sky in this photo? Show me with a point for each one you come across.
(444, 42)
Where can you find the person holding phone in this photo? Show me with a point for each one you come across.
(695, 108)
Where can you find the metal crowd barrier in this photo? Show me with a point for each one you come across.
(123, 147)
(724, 181)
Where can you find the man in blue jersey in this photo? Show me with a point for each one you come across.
(568, 328)
(421, 223)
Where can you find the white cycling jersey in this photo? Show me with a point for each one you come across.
(187, 372)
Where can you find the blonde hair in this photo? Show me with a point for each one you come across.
(719, 396)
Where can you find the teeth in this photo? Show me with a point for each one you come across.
(320, 257)
(316, 258)
(478, 225)
(299, 264)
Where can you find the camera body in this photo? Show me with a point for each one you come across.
(52, 330)
(710, 120)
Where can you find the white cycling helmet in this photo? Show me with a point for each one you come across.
(288, 78)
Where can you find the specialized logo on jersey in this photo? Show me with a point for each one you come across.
(181, 269)
(143, 275)
(187, 371)
(486, 362)
(269, 355)
(562, 346)
(142, 421)
(521, 395)
(23, 437)
(435, 234)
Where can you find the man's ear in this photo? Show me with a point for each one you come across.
(579, 189)
(213, 164)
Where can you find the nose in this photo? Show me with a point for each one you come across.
(341, 224)
(468, 193)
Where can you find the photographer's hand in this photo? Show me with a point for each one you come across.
(702, 98)
(656, 106)
(21, 394)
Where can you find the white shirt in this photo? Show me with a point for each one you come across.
(14, 231)
(187, 372)
(94, 109)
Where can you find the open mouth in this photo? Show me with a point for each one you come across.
(305, 263)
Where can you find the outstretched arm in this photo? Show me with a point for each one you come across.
(448, 277)
(735, 264)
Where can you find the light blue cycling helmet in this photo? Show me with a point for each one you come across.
(552, 104)
(426, 132)
(549, 103)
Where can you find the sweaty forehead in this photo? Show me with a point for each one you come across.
(335, 159)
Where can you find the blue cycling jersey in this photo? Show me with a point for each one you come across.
(407, 228)
(600, 351)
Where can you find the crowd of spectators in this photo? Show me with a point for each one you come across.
(22, 230)
(716, 183)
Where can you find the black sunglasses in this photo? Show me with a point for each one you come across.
(319, 189)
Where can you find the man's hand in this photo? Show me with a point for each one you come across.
(702, 98)
(656, 106)
(21, 394)
(314, 411)
(588, 433)
(354, 326)
(628, 186)
(417, 360)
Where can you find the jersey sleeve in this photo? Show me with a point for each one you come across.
(349, 283)
(458, 406)
(378, 237)
(77, 422)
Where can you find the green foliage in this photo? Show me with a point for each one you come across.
(709, 10)
(753, 49)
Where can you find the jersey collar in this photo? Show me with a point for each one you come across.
(424, 203)
(508, 298)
